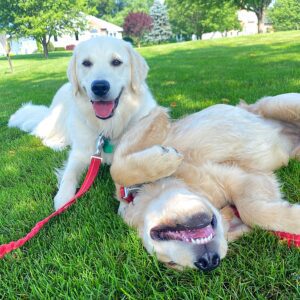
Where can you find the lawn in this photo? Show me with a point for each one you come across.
(88, 252)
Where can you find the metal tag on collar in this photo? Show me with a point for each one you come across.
(108, 147)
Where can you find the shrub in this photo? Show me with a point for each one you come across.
(70, 47)
(59, 49)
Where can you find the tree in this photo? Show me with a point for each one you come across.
(104, 8)
(187, 16)
(136, 25)
(41, 19)
(222, 18)
(115, 11)
(197, 17)
(161, 30)
(285, 15)
(6, 46)
(258, 7)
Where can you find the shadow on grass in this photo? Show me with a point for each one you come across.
(189, 79)
(39, 56)
(89, 250)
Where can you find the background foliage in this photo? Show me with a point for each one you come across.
(285, 15)
(161, 28)
(41, 19)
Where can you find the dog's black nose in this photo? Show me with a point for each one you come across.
(100, 87)
(208, 261)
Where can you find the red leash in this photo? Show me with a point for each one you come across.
(88, 181)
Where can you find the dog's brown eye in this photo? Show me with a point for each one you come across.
(87, 63)
(116, 62)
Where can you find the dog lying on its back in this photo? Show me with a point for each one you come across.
(224, 156)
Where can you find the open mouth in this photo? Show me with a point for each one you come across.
(199, 234)
(105, 109)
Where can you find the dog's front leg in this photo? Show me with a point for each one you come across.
(139, 158)
(77, 162)
(233, 226)
(147, 165)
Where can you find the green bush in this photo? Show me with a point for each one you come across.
(59, 49)
(51, 47)
(128, 39)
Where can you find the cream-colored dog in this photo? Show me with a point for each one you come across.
(106, 93)
(224, 156)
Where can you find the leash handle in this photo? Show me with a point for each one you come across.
(87, 183)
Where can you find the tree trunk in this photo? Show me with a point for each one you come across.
(9, 61)
(260, 17)
(45, 47)
(199, 33)
(6, 46)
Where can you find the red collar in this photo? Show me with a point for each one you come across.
(128, 193)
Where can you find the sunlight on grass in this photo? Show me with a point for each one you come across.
(88, 252)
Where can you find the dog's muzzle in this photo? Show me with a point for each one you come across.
(104, 109)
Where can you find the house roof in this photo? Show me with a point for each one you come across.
(99, 23)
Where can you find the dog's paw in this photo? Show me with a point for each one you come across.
(165, 161)
(61, 199)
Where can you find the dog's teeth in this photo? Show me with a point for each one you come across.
(200, 241)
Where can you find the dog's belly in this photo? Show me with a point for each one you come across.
(225, 133)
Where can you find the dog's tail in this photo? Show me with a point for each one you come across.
(285, 109)
(43, 122)
(28, 116)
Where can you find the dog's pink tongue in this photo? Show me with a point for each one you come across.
(103, 109)
(200, 233)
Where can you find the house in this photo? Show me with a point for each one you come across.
(96, 27)
(21, 46)
(248, 21)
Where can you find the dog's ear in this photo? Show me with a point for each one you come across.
(71, 73)
(139, 68)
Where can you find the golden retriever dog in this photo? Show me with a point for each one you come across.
(106, 93)
(224, 156)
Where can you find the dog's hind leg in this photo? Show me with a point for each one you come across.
(284, 112)
(260, 203)
(284, 107)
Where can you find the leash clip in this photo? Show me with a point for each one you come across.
(128, 193)
(99, 145)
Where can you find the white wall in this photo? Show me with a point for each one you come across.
(2, 51)
(248, 21)
(70, 39)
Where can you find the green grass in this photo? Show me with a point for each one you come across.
(88, 253)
